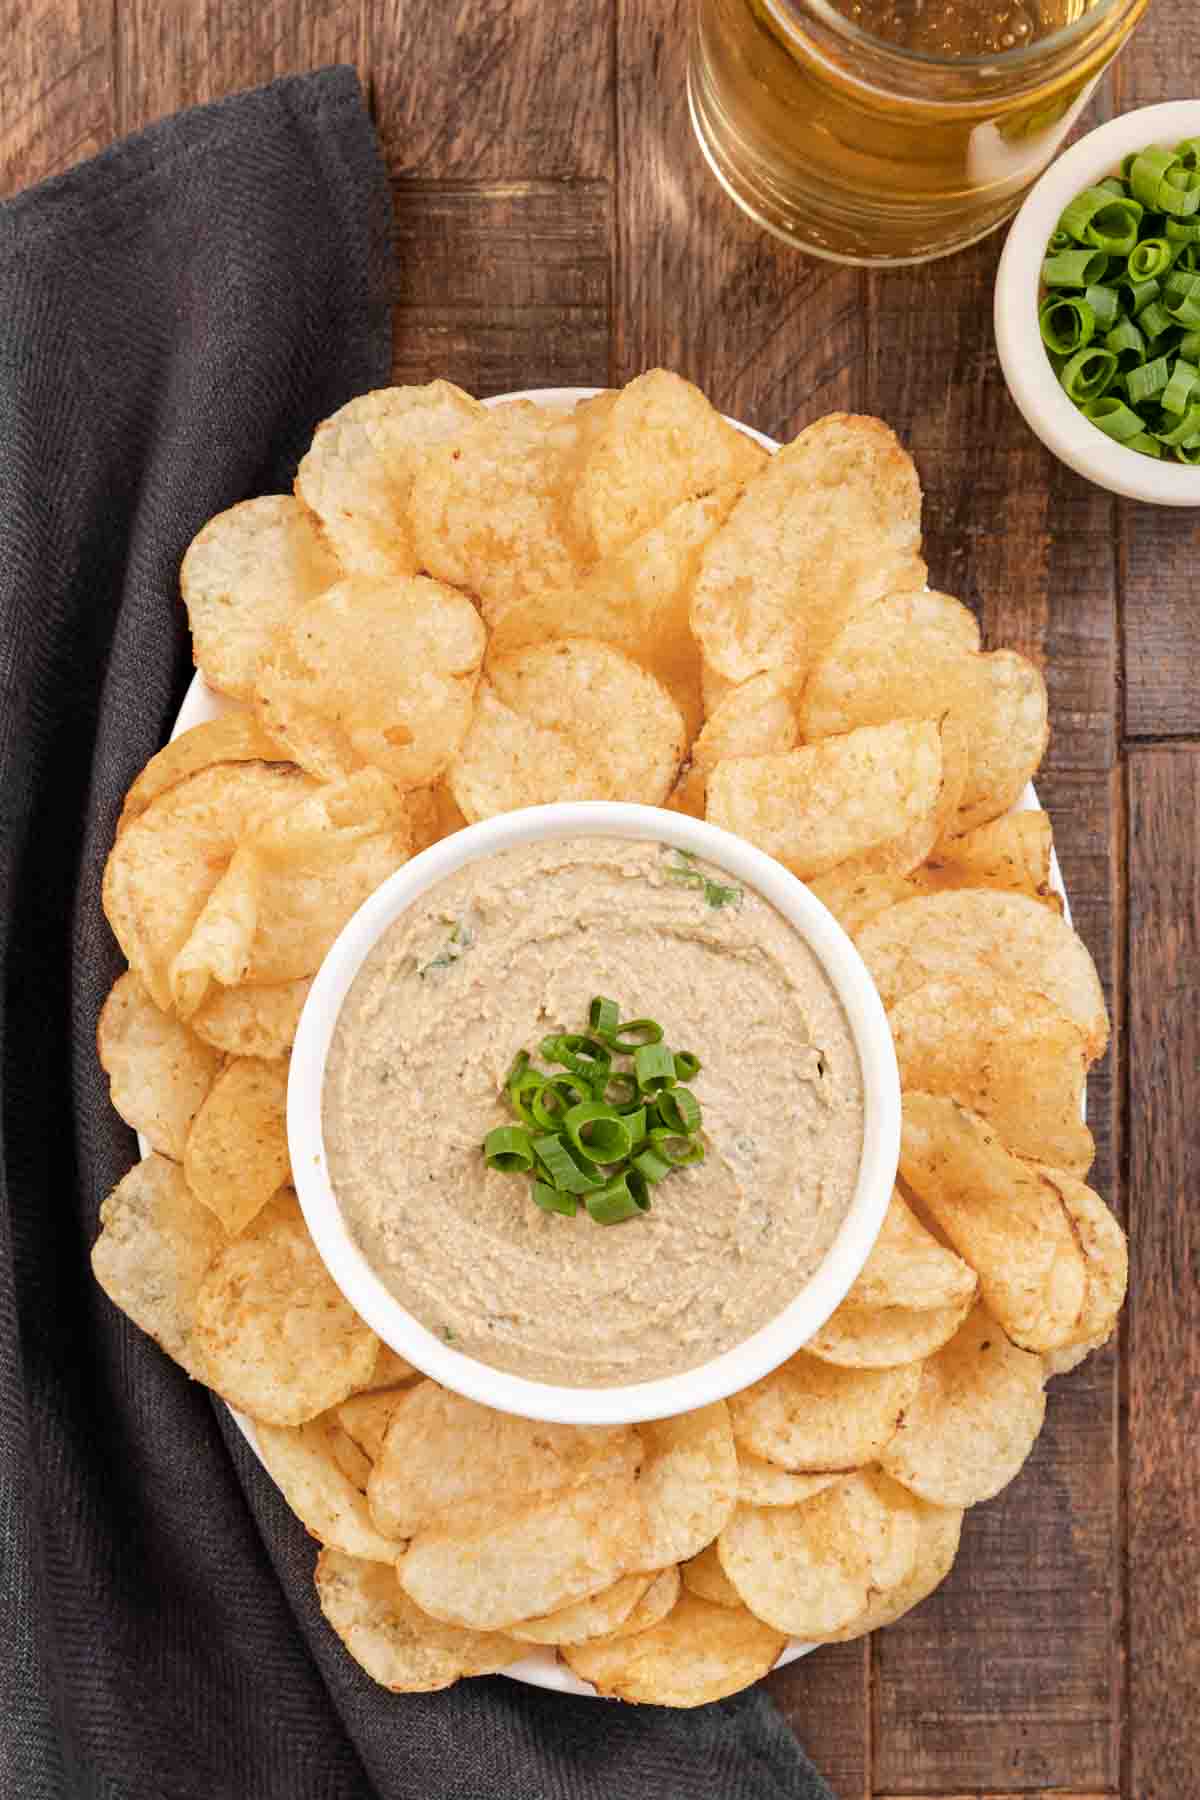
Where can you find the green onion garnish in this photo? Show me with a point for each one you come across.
(508, 1148)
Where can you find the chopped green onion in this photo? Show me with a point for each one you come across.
(654, 1066)
(1182, 231)
(1105, 303)
(564, 1172)
(1067, 323)
(637, 1123)
(1074, 268)
(1150, 446)
(1189, 347)
(581, 1054)
(626, 1094)
(680, 1152)
(1112, 184)
(618, 1201)
(633, 1034)
(1125, 339)
(1189, 258)
(1187, 433)
(609, 1138)
(1149, 259)
(1178, 390)
(603, 1016)
(1145, 383)
(554, 1200)
(1154, 319)
(652, 1166)
(1141, 293)
(1146, 174)
(679, 1111)
(1088, 373)
(508, 1147)
(687, 1066)
(1099, 217)
(1114, 418)
(1186, 310)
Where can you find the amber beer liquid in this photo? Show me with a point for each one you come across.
(892, 131)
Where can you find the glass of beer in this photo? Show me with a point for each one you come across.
(892, 131)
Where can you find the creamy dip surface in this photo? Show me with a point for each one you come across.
(487, 963)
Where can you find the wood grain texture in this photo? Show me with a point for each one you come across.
(1164, 1341)
(825, 1699)
(56, 87)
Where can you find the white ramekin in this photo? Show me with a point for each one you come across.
(820, 1294)
(1031, 380)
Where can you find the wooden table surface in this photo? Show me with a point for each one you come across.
(554, 224)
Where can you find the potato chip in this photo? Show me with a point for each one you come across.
(570, 720)
(939, 1530)
(236, 736)
(810, 1416)
(760, 1483)
(237, 1152)
(597, 1616)
(484, 515)
(756, 719)
(165, 863)
(907, 1266)
(390, 1371)
(859, 796)
(689, 1483)
(246, 572)
(1105, 1255)
(397, 1644)
(973, 1420)
(354, 1464)
(830, 524)
(1007, 935)
(698, 1653)
(1003, 1052)
(252, 1021)
(443, 1450)
(366, 1418)
(1012, 852)
(273, 1335)
(854, 896)
(657, 1601)
(658, 443)
(154, 1248)
(159, 1071)
(704, 1575)
(495, 1561)
(357, 476)
(302, 1460)
(714, 687)
(883, 1337)
(1004, 1217)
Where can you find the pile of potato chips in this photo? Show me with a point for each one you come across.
(464, 610)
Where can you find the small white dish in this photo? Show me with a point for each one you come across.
(816, 1300)
(1031, 380)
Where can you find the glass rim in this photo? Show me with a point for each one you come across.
(1022, 56)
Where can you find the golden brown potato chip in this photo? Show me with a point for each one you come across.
(907, 1266)
(273, 1335)
(237, 1153)
(484, 515)
(366, 1418)
(291, 886)
(390, 1371)
(688, 1485)
(756, 719)
(397, 1644)
(853, 896)
(495, 1561)
(1106, 1258)
(236, 736)
(973, 1420)
(357, 476)
(569, 720)
(154, 1248)
(657, 1601)
(165, 863)
(354, 1464)
(246, 572)
(1004, 1052)
(830, 524)
(377, 674)
(1012, 852)
(862, 796)
(657, 443)
(303, 1462)
(1004, 1217)
(939, 1528)
(883, 1337)
(698, 1653)
(973, 929)
(704, 1575)
(597, 1616)
(159, 1071)
(760, 1483)
(443, 1450)
(252, 1021)
(809, 1416)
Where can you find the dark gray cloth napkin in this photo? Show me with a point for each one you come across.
(175, 317)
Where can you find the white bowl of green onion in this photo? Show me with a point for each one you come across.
(1097, 306)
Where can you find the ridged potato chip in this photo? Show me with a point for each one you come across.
(973, 1420)
(831, 523)
(569, 720)
(390, 1371)
(1012, 852)
(973, 929)
(246, 572)
(859, 796)
(352, 1462)
(704, 1575)
(159, 1071)
(688, 1485)
(1006, 1219)
(760, 1483)
(495, 1561)
(756, 719)
(154, 1249)
(397, 1644)
(1004, 1052)
(657, 443)
(366, 1418)
(252, 1021)
(809, 1416)
(1106, 1260)
(235, 737)
(166, 863)
(273, 1335)
(907, 1266)
(853, 896)
(939, 1530)
(303, 1462)
(698, 1653)
(442, 1451)
(374, 674)
(658, 1600)
(597, 1616)
(884, 1337)
(357, 477)
(236, 1158)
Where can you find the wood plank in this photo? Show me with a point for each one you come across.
(174, 53)
(495, 90)
(824, 1698)
(502, 287)
(1164, 1344)
(1006, 1678)
(1025, 1794)
(56, 87)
